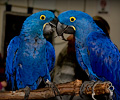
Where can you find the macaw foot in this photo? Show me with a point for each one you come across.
(93, 93)
(27, 92)
(92, 84)
(111, 89)
(86, 85)
(54, 88)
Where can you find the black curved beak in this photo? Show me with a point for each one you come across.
(50, 27)
(64, 29)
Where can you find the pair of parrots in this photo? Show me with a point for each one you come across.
(30, 57)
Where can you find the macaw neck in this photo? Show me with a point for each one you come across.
(83, 32)
(36, 36)
(32, 33)
(32, 30)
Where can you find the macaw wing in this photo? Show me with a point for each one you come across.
(78, 54)
(11, 51)
(104, 58)
(50, 55)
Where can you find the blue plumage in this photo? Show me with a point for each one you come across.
(29, 55)
(94, 50)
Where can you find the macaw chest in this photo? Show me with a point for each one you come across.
(32, 61)
(32, 48)
(32, 53)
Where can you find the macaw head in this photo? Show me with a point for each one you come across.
(75, 22)
(39, 23)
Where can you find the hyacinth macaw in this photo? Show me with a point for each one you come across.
(95, 52)
(30, 57)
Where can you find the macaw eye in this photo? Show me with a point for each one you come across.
(42, 17)
(72, 19)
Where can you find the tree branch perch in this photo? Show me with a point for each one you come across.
(69, 88)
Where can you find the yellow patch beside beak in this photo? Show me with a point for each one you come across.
(73, 28)
(45, 25)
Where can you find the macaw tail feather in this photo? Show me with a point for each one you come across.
(12, 82)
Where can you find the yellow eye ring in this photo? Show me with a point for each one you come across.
(72, 19)
(42, 17)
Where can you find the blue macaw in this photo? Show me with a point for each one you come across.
(95, 52)
(30, 57)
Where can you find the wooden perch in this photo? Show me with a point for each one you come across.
(70, 88)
